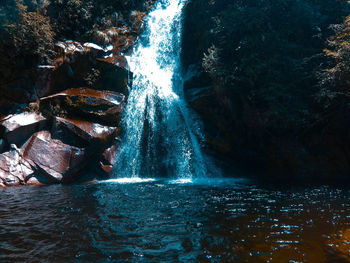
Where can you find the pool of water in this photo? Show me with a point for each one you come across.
(160, 220)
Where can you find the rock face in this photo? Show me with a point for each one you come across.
(38, 59)
(70, 126)
(90, 65)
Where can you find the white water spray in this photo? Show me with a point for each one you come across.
(158, 135)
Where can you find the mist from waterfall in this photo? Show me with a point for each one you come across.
(159, 135)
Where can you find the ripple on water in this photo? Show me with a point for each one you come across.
(158, 221)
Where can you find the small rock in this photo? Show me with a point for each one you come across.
(13, 169)
(110, 154)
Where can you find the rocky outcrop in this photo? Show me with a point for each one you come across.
(67, 126)
(90, 65)
(71, 120)
(64, 82)
(64, 152)
(66, 136)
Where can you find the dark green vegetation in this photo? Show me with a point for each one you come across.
(268, 102)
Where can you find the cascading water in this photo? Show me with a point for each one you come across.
(158, 135)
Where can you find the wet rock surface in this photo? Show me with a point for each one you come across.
(88, 131)
(90, 65)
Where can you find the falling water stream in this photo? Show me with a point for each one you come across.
(159, 136)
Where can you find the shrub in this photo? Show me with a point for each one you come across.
(336, 79)
(32, 35)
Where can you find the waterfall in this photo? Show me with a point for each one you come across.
(159, 135)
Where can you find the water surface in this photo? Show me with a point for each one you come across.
(134, 220)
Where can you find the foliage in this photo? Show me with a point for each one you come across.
(79, 20)
(267, 52)
(263, 59)
(25, 36)
(32, 35)
(210, 61)
(336, 79)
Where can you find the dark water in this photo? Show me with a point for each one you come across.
(160, 221)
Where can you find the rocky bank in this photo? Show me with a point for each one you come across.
(64, 82)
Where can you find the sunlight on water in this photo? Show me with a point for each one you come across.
(181, 181)
(159, 134)
(129, 180)
(218, 182)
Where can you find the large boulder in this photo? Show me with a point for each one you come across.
(53, 159)
(104, 107)
(90, 65)
(16, 129)
(86, 130)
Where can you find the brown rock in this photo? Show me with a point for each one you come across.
(103, 107)
(110, 154)
(13, 169)
(17, 128)
(106, 168)
(109, 159)
(53, 159)
(90, 65)
(86, 130)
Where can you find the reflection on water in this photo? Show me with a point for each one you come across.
(163, 221)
